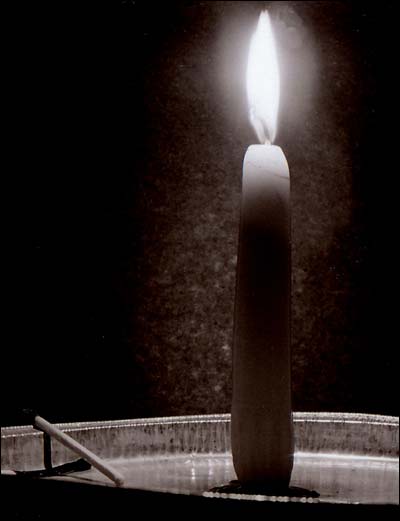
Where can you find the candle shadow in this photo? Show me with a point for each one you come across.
(265, 489)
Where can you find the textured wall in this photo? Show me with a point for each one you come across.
(130, 130)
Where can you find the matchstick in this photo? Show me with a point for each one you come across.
(53, 431)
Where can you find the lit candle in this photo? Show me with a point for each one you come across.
(262, 436)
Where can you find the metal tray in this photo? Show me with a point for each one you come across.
(345, 458)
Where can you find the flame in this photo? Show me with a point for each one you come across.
(263, 81)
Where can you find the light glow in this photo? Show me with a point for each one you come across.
(263, 81)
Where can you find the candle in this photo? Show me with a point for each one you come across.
(262, 436)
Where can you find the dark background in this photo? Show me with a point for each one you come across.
(127, 131)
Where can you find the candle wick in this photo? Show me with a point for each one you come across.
(264, 133)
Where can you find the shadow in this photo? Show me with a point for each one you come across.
(235, 487)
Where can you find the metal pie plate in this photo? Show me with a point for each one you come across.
(345, 458)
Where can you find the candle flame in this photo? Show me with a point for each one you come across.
(263, 81)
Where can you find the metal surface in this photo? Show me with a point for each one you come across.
(346, 458)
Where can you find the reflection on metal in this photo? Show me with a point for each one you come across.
(346, 458)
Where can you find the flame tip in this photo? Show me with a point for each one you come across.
(263, 80)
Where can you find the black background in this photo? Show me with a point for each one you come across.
(125, 134)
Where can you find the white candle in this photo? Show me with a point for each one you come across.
(262, 436)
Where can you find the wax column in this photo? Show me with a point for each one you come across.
(262, 435)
